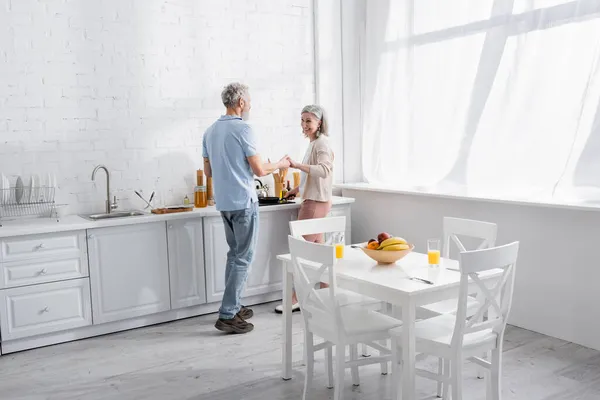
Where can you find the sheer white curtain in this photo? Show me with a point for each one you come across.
(494, 98)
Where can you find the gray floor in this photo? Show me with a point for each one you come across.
(189, 359)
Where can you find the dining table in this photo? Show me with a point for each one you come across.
(406, 285)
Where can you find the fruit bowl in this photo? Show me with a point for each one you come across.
(386, 257)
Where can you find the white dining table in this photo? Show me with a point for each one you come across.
(388, 283)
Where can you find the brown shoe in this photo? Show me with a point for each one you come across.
(245, 313)
(234, 325)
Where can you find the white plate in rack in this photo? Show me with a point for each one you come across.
(4, 189)
(34, 184)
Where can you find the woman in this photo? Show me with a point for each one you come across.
(316, 172)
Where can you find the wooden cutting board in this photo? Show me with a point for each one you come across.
(171, 210)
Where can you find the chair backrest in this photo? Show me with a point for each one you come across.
(497, 299)
(310, 262)
(313, 226)
(454, 228)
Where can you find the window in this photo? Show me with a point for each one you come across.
(495, 98)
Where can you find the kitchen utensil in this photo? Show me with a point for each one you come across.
(150, 201)
(414, 278)
(261, 190)
(140, 196)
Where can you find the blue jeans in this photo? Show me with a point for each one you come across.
(241, 231)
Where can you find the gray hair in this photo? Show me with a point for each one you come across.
(319, 113)
(232, 94)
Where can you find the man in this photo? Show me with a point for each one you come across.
(231, 158)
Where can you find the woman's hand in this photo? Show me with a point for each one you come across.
(292, 193)
(292, 162)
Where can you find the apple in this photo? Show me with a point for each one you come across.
(373, 240)
(383, 236)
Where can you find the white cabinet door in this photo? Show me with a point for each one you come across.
(265, 273)
(215, 253)
(129, 272)
(186, 263)
(46, 308)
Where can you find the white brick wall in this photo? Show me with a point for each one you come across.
(133, 84)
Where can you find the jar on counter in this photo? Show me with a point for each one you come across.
(200, 199)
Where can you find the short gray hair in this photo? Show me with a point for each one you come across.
(232, 94)
(318, 112)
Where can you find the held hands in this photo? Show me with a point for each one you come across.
(293, 164)
(284, 162)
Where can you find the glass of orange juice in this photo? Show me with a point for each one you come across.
(338, 242)
(433, 252)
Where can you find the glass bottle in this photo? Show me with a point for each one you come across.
(200, 199)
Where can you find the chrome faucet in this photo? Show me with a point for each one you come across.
(109, 206)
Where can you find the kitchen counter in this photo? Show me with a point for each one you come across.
(75, 278)
(75, 222)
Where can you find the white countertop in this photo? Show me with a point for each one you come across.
(75, 222)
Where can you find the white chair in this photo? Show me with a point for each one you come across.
(453, 229)
(325, 317)
(458, 337)
(300, 228)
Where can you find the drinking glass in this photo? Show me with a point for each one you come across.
(338, 240)
(433, 252)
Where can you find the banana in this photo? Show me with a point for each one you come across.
(391, 241)
(396, 247)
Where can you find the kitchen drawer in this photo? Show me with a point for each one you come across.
(47, 245)
(49, 307)
(31, 272)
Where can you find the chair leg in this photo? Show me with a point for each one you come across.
(354, 369)
(396, 369)
(304, 353)
(310, 362)
(384, 365)
(481, 372)
(496, 373)
(488, 385)
(340, 366)
(440, 385)
(456, 374)
(446, 390)
(365, 350)
(329, 366)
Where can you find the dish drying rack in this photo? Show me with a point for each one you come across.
(18, 202)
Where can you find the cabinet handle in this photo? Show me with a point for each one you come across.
(42, 271)
(90, 236)
(45, 309)
(40, 246)
(170, 226)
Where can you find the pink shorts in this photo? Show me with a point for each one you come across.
(310, 209)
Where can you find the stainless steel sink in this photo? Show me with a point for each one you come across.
(114, 214)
